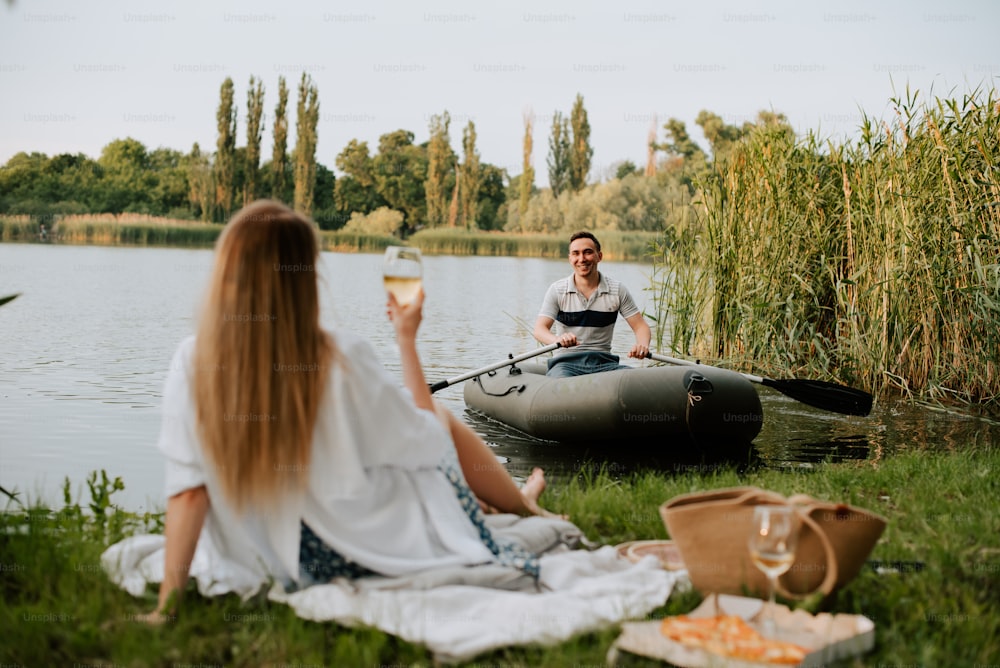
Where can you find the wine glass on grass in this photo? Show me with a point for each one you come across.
(772, 542)
(402, 271)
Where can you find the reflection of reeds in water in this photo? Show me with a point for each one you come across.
(876, 262)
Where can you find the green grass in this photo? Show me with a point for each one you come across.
(58, 608)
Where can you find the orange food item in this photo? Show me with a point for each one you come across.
(731, 637)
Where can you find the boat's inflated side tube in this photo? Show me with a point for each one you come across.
(638, 402)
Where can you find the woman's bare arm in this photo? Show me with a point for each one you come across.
(185, 517)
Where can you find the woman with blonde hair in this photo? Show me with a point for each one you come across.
(293, 452)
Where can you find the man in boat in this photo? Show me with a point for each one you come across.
(586, 306)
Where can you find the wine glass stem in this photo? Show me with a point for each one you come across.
(769, 623)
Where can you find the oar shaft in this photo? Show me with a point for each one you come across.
(816, 393)
(440, 385)
(682, 362)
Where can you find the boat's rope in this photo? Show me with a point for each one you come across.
(512, 388)
(697, 386)
(692, 400)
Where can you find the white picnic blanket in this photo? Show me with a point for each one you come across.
(457, 614)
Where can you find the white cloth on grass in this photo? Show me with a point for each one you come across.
(456, 612)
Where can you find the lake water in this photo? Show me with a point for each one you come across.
(86, 347)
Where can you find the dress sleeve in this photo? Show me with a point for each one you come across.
(178, 430)
(368, 421)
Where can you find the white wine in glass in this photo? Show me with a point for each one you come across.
(402, 272)
(772, 542)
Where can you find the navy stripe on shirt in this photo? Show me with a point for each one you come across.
(587, 318)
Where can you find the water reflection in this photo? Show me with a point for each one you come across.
(87, 346)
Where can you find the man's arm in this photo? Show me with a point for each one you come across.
(543, 333)
(642, 336)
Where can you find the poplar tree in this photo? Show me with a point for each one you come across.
(559, 154)
(527, 180)
(470, 177)
(199, 172)
(439, 163)
(651, 149)
(279, 159)
(225, 152)
(306, 122)
(255, 111)
(582, 152)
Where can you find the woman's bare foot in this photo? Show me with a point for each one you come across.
(534, 485)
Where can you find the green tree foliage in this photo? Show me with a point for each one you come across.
(255, 111)
(279, 153)
(306, 122)
(200, 186)
(225, 152)
(383, 220)
(470, 178)
(400, 172)
(721, 136)
(685, 159)
(527, 181)
(678, 141)
(126, 180)
(35, 184)
(492, 198)
(625, 168)
(355, 191)
(579, 162)
(324, 211)
(560, 151)
(168, 194)
(440, 163)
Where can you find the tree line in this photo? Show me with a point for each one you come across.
(400, 187)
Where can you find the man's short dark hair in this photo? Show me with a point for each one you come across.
(586, 235)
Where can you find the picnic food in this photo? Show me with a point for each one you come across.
(731, 637)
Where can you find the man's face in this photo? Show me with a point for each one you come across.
(583, 255)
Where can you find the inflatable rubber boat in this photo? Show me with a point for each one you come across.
(704, 403)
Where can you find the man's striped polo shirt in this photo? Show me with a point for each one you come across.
(591, 320)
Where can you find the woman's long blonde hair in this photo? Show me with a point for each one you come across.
(261, 357)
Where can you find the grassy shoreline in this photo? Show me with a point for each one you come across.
(58, 606)
(142, 230)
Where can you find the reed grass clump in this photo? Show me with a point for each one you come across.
(876, 262)
(341, 241)
(19, 228)
(616, 245)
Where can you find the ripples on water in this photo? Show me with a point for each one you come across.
(87, 345)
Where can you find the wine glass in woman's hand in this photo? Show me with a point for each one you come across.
(402, 271)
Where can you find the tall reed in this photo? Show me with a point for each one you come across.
(875, 262)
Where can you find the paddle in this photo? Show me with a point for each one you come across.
(441, 384)
(816, 393)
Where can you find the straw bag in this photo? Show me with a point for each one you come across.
(711, 530)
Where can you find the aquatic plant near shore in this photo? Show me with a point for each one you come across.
(875, 262)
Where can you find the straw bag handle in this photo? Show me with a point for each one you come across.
(830, 580)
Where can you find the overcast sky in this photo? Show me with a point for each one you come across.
(74, 77)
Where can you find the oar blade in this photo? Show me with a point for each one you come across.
(824, 395)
